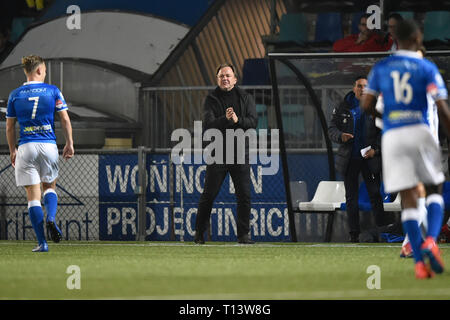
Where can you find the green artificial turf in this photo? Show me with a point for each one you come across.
(222, 271)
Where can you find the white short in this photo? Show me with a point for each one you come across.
(410, 155)
(35, 163)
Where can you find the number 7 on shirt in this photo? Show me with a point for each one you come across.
(36, 101)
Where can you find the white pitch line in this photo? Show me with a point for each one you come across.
(305, 295)
(191, 244)
(231, 244)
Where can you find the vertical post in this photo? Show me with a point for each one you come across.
(3, 223)
(49, 69)
(381, 13)
(283, 154)
(61, 76)
(172, 197)
(273, 14)
(142, 179)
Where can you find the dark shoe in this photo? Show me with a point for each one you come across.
(245, 240)
(55, 233)
(199, 238)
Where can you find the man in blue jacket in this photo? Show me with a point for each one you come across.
(354, 131)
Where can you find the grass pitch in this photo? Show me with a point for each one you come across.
(222, 271)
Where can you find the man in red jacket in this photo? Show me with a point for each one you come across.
(366, 40)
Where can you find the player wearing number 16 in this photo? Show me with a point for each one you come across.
(35, 161)
(410, 151)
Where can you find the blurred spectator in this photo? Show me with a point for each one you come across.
(389, 41)
(366, 40)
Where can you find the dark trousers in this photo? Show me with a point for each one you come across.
(351, 183)
(215, 174)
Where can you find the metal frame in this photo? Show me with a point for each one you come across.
(283, 58)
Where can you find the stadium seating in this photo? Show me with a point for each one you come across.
(299, 193)
(394, 206)
(255, 72)
(328, 27)
(437, 25)
(327, 199)
(406, 14)
(293, 28)
(19, 25)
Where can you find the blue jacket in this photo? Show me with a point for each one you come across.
(342, 121)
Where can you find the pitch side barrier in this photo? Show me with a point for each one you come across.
(106, 195)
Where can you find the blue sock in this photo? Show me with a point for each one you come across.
(411, 227)
(435, 208)
(51, 204)
(37, 220)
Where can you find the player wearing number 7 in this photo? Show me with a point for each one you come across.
(410, 152)
(33, 105)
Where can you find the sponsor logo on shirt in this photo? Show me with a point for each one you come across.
(37, 129)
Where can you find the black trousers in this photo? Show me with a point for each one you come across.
(351, 183)
(215, 175)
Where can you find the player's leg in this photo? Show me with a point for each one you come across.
(48, 162)
(430, 170)
(240, 175)
(435, 208)
(27, 176)
(410, 217)
(400, 172)
(51, 206)
(421, 205)
(406, 251)
(214, 176)
(36, 215)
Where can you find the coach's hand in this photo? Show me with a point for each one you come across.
(68, 151)
(231, 115)
(346, 136)
(369, 154)
(13, 158)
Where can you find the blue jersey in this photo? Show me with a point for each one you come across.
(404, 79)
(34, 105)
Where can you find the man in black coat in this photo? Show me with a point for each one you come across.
(227, 107)
(355, 130)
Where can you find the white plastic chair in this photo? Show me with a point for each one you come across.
(327, 199)
(394, 206)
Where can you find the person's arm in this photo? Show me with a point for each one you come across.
(334, 132)
(210, 119)
(250, 119)
(369, 97)
(66, 126)
(373, 44)
(11, 138)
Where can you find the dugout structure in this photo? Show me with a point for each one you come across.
(306, 88)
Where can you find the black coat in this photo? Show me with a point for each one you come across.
(342, 121)
(214, 114)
